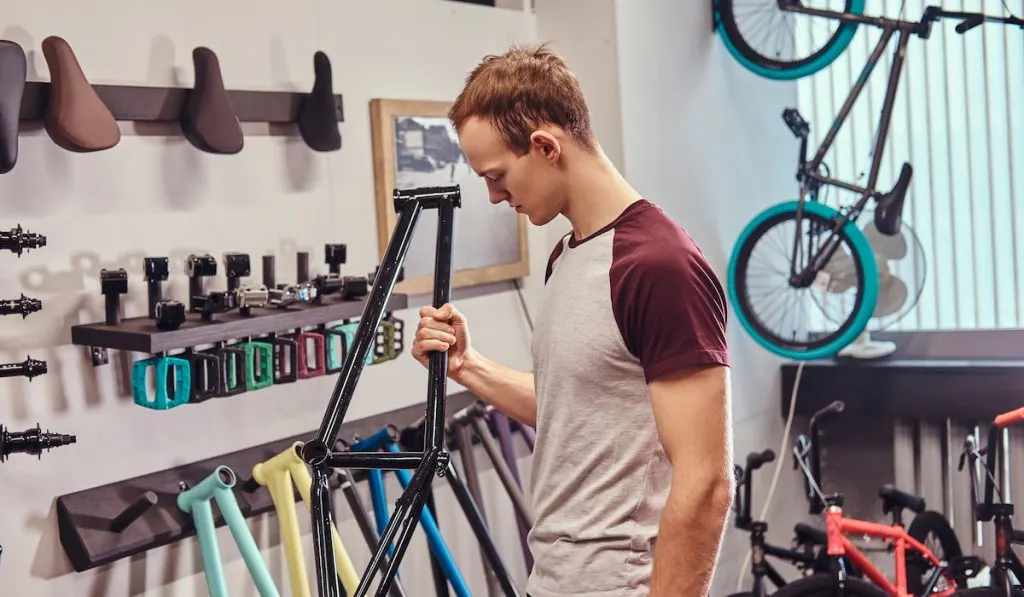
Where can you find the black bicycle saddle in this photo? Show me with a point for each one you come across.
(318, 119)
(13, 70)
(208, 120)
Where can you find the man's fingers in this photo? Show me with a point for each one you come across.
(426, 333)
(426, 346)
(433, 324)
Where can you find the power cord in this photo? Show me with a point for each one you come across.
(778, 468)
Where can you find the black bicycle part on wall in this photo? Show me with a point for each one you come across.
(434, 458)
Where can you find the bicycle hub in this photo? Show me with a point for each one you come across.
(354, 287)
(198, 267)
(248, 297)
(169, 314)
(327, 284)
(28, 368)
(155, 270)
(236, 265)
(306, 291)
(31, 441)
(17, 240)
(23, 306)
(113, 283)
(334, 256)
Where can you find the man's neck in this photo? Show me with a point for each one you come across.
(598, 194)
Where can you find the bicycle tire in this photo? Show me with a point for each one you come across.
(867, 274)
(988, 592)
(781, 70)
(823, 585)
(934, 523)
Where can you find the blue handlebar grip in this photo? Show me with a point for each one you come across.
(196, 501)
(162, 367)
(377, 441)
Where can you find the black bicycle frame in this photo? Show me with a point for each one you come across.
(1001, 514)
(808, 172)
(434, 458)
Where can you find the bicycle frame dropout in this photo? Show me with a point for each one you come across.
(433, 459)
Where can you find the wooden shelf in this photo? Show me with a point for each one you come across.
(140, 334)
(967, 390)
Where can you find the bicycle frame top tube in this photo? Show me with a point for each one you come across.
(838, 527)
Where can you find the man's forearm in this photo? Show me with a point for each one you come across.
(510, 391)
(690, 537)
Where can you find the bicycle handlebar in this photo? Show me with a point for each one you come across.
(968, 20)
(1010, 418)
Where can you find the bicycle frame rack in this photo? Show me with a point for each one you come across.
(433, 460)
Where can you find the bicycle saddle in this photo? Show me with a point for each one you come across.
(318, 119)
(805, 533)
(76, 118)
(889, 212)
(893, 498)
(13, 70)
(208, 120)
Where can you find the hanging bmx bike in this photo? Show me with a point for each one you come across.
(802, 276)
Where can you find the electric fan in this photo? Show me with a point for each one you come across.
(901, 276)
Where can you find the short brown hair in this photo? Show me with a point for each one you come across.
(525, 87)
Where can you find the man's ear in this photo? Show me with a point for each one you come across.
(546, 145)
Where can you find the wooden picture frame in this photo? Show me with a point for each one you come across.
(490, 242)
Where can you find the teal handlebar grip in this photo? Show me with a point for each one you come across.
(164, 367)
(196, 501)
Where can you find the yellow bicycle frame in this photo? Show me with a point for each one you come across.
(281, 474)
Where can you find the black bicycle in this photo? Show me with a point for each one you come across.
(1006, 566)
(784, 308)
(806, 554)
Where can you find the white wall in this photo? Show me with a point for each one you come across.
(704, 139)
(157, 195)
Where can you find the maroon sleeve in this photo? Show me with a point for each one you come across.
(555, 253)
(669, 304)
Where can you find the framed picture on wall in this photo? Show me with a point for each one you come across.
(415, 145)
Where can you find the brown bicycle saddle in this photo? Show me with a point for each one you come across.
(76, 118)
(318, 120)
(13, 70)
(208, 120)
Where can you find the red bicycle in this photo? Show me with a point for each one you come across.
(919, 571)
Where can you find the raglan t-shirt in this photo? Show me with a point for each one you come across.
(632, 302)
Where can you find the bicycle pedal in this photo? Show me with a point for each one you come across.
(206, 376)
(334, 348)
(168, 371)
(259, 364)
(286, 359)
(348, 331)
(388, 342)
(310, 343)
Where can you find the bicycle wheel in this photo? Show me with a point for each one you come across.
(932, 529)
(987, 592)
(823, 585)
(850, 279)
(763, 37)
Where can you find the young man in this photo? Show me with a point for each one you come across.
(632, 471)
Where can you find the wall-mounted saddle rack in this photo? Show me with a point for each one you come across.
(165, 104)
(114, 521)
(140, 334)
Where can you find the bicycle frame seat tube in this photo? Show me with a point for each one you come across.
(196, 501)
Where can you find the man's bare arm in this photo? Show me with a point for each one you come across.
(691, 409)
(508, 390)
